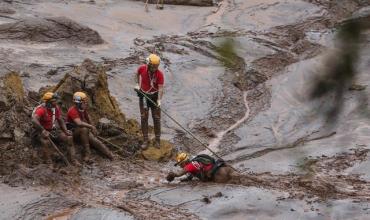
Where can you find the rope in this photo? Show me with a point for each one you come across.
(186, 130)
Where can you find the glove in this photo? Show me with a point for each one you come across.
(170, 177)
(159, 103)
(137, 88)
(188, 178)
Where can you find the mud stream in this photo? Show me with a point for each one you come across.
(255, 113)
(215, 142)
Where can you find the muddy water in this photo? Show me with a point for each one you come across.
(253, 203)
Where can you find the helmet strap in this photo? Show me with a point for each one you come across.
(48, 104)
(79, 106)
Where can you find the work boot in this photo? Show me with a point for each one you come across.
(145, 145)
(49, 163)
(157, 143)
(72, 156)
(87, 155)
(47, 157)
(156, 114)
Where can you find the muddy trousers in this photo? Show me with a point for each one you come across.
(87, 140)
(156, 115)
(58, 137)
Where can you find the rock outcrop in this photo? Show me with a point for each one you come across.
(55, 29)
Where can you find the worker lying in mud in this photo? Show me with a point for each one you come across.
(78, 121)
(204, 167)
(45, 131)
(150, 83)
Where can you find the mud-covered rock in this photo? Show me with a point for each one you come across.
(92, 79)
(15, 123)
(13, 113)
(158, 154)
(55, 29)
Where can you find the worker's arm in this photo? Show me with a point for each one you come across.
(80, 123)
(160, 91)
(172, 175)
(36, 122)
(39, 127)
(180, 173)
(63, 126)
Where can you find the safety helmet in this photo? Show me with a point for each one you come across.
(181, 157)
(153, 59)
(49, 96)
(79, 97)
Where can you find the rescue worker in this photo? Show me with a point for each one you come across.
(204, 167)
(79, 122)
(43, 119)
(150, 81)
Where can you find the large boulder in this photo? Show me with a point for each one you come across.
(92, 79)
(55, 29)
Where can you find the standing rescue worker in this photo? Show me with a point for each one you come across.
(43, 119)
(150, 81)
(78, 121)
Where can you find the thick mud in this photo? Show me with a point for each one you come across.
(254, 111)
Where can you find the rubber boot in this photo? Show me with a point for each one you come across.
(144, 124)
(156, 114)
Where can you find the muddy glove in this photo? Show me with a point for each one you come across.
(189, 177)
(137, 88)
(159, 103)
(170, 177)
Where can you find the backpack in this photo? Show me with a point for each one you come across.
(204, 159)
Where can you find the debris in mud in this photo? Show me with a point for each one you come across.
(40, 175)
(356, 87)
(45, 205)
(322, 180)
(126, 185)
(206, 200)
(54, 29)
(147, 209)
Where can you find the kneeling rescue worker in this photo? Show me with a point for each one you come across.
(43, 119)
(78, 121)
(203, 166)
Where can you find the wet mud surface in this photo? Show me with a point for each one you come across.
(255, 112)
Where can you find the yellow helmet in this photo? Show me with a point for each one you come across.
(79, 97)
(48, 96)
(181, 157)
(154, 59)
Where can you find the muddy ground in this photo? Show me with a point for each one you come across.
(255, 112)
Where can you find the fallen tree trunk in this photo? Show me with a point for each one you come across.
(183, 2)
